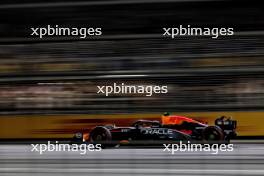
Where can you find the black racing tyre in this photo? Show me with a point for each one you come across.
(101, 135)
(213, 134)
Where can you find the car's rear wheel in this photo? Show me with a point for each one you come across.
(213, 134)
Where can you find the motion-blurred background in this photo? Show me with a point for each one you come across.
(48, 86)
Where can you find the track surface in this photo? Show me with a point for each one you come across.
(246, 159)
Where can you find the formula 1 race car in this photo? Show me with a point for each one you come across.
(172, 128)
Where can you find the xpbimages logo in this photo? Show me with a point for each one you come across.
(56, 30)
(147, 90)
(197, 31)
(52, 147)
(189, 147)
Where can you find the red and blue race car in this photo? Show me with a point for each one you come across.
(172, 128)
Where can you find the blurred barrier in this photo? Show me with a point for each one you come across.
(64, 126)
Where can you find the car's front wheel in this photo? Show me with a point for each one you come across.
(101, 135)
